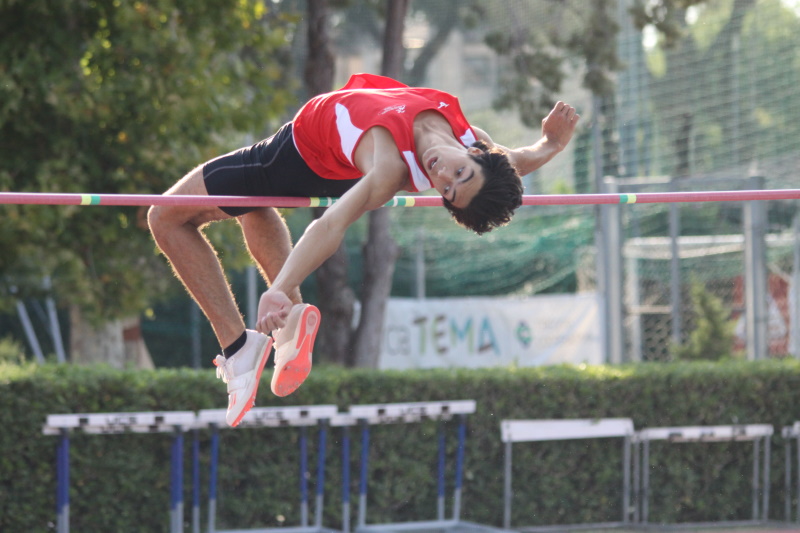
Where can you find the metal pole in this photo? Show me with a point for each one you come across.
(795, 295)
(62, 485)
(440, 472)
(756, 451)
(252, 296)
(755, 275)
(507, 494)
(646, 482)
(303, 482)
(614, 274)
(212, 480)
(55, 328)
(346, 479)
(319, 504)
(626, 481)
(787, 471)
(675, 268)
(29, 332)
(362, 493)
(420, 263)
(462, 437)
(765, 493)
(195, 481)
(194, 328)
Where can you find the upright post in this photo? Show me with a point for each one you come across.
(319, 503)
(462, 437)
(303, 481)
(346, 479)
(212, 479)
(507, 493)
(613, 264)
(675, 268)
(362, 491)
(62, 483)
(195, 481)
(440, 472)
(755, 274)
(795, 295)
(177, 482)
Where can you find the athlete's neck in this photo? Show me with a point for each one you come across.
(432, 129)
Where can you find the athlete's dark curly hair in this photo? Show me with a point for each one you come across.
(496, 201)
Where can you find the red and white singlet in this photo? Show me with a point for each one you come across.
(328, 128)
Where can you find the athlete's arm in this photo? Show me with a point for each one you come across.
(322, 237)
(557, 129)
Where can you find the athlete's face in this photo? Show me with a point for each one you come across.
(454, 173)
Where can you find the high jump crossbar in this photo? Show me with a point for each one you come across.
(33, 198)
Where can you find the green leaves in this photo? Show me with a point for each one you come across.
(122, 97)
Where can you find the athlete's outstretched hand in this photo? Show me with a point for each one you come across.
(559, 125)
(273, 308)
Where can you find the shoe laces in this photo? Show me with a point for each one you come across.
(224, 368)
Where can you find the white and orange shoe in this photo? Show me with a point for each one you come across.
(293, 345)
(242, 373)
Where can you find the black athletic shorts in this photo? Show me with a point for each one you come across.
(272, 167)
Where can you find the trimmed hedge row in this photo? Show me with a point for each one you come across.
(121, 482)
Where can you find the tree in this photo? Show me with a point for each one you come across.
(120, 97)
(713, 337)
(342, 344)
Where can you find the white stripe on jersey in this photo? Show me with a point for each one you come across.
(348, 133)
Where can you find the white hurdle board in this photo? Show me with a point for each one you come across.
(706, 433)
(271, 416)
(538, 430)
(390, 413)
(542, 430)
(110, 423)
(755, 433)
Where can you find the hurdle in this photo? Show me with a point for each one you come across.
(755, 433)
(514, 431)
(790, 433)
(364, 416)
(175, 422)
(274, 417)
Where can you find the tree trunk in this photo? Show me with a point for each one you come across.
(336, 297)
(380, 250)
(117, 343)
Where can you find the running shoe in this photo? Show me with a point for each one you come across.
(293, 345)
(242, 373)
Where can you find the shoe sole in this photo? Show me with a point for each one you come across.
(252, 400)
(294, 373)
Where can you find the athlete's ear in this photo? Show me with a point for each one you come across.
(474, 150)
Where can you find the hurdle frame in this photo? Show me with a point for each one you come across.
(364, 416)
(789, 434)
(756, 433)
(538, 430)
(301, 417)
(175, 422)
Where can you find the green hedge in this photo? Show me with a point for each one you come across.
(121, 482)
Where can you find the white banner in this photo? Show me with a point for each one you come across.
(482, 332)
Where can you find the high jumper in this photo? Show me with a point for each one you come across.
(364, 143)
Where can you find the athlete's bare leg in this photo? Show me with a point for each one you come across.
(269, 242)
(178, 233)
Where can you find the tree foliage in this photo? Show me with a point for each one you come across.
(109, 96)
(713, 336)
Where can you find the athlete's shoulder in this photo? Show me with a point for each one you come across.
(371, 81)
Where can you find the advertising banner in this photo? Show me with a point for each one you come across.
(485, 332)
